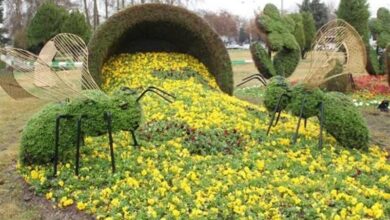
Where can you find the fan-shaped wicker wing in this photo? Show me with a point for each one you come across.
(25, 67)
(335, 40)
(71, 54)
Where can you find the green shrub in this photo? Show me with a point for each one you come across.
(340, 83)
(286, 61)
(312, 98)
(160, 27)
(76, 23)
(373, 66)
(38, 137)
(276, 87)
(309, 27)
(298, 32)
(45, 24)
(387, 62)
(262, 60)
(344, 122)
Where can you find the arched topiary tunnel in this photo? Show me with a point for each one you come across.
(158, 27)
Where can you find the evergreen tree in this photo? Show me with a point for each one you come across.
(76, 23)
(3, 39)
(45, 24)
(299, 30)
(356, 13)
(319, 11)
(380, 27)
(309, 29)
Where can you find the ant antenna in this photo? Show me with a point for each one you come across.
(257, 76)
(157, 91)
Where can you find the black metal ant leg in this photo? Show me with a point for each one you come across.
(108, 117)
(277, 109)
(79, 141)
(277, 118)
(157, 91)
(320, 141)
(305, 123)
(299, 121)
(134, 138)
(57, 140)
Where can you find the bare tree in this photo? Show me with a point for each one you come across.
(86, 12)
(96, 20)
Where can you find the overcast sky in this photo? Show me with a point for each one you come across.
(245, 8)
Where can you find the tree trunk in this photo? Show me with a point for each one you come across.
(87, 12)
(95, 14)
(118, 5)
(123, 3)
(106, 6)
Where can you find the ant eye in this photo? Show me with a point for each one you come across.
(124, 105)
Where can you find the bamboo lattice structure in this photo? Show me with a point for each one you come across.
(336, 40)
(37, 76)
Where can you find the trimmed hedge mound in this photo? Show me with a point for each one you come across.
(262, 60)
(344, 122)
(160, 28)
(286, 61)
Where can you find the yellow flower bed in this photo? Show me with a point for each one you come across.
(206, 156)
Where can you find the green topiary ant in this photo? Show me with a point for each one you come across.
(38, 137)
(341, 118)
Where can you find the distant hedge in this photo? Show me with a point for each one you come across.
(159, 27)
(387, 63)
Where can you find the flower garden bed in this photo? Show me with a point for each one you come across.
(207, 156)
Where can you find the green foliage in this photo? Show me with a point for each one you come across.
(340, 83)
(37, 144)
(387, 62)
(318, 9)
(286, 61)
(356, 13)
(45, 24)
(279, 29)
(311, 97)
(309, 31)
(380, 27)
(160, 27)
(76, 23)
(344, 122)
(262, 60)
(279, 38)
(373, 66)
(299, 30)
(276, 87)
